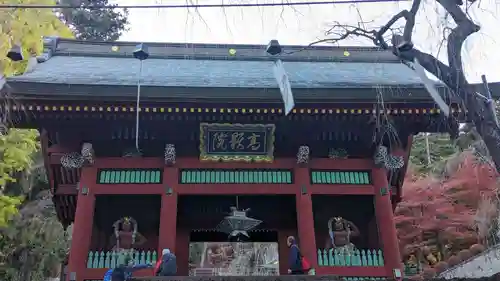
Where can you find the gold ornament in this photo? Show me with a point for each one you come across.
(346, 53)
(115, 48)
(232, 52)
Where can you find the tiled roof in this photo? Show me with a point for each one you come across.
(202, 65)
(216, 73)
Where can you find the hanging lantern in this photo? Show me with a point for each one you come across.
(141, 52)
(237, 223)
(15, 53)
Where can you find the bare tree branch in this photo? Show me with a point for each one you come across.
(452, 75)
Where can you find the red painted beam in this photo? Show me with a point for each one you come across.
(340, 189)
(279, 163)
(195, 163)
(130, 162)
(223, 189)
(128, 189)
(354, 271)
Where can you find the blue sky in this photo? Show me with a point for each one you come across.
(304, 24)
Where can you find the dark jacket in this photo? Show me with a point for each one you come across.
(295, 259)
(168, 266)
(123, 273)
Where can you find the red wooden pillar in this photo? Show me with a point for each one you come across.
(82, 226)
(385, 221)
(168, 215)
(305, 217)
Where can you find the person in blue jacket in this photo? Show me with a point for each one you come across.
(124, 271)
(295, 266)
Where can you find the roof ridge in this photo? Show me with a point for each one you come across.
(216, 45)
(70, 47)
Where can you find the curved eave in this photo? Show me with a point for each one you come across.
(348, 93)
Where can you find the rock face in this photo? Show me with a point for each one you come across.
(484, 265)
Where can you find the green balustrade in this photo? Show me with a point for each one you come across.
(340, 177)
(101, 259)
(129, 176)
(335, 257)
(225, 176)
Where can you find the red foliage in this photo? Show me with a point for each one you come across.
(453, 260)
(464, 255)
(441, 266)
(477, 249)
(429, 273)
(446, 208)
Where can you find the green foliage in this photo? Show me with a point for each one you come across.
(95, 24)
(34, 244)
(8, 208)
(16, 150)
(441, 149)
(26, 27)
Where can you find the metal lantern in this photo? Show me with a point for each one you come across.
(273, 48)
(141, 52)
(15, 53)
(237, 223)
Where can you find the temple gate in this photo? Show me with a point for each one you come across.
(213, 169)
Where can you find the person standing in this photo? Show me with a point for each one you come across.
(297, 264)
(167, 265)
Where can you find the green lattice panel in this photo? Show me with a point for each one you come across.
(130, 176)
(340, 177)
(197, 176)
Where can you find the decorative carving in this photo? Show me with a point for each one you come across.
(170, 154)
(72, 160)
(88, 153)
(337, 153)
(382, 158)
(303, 154)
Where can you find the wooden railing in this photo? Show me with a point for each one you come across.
(101, 259)
(334, 257)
